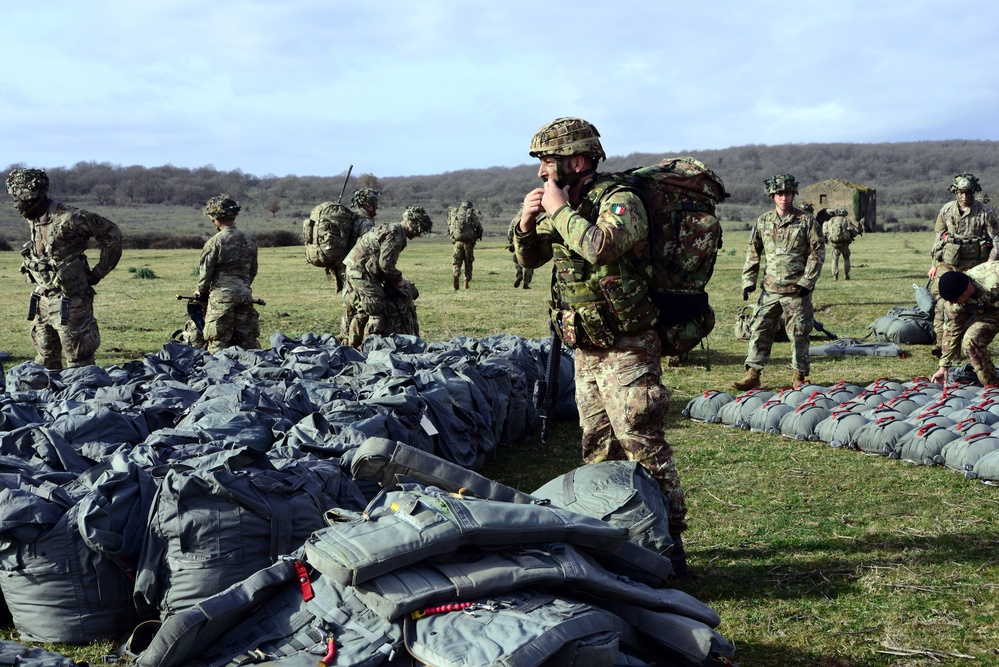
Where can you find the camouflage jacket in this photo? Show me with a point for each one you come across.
(374, 256)
(362, 225)
(978, 224)
(794, 250)
(985, 278)
(60, 237)
(228, 264)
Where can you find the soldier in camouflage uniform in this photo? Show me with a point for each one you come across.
(791, 242)
(840, 233)
(62, 304)
(965, 237)
(365, 203)
(607, 320)
(373, 279)
(523, 275)
(227, 269)
(972, 301)
(465, 229)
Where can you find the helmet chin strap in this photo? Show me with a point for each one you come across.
(568, 180)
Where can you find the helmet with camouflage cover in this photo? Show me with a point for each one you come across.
(841, 211)
(564, 137)
(417, 216)
(780, 183)
(221, 207)
(365, 197)
(965, 181)
(27, 184)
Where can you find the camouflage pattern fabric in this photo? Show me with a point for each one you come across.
(841, 250)
(76, 335)
(962, 241)
(974, 324)
(190, 335)
(227, 268)
(622, 404)
(371, 265)
(522, 275)
(463, 254)
(55, 259)
(363, 224)
(798, 317)
(622, 401)
(794, 249)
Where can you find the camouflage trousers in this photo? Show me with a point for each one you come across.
(523, 275)
(463, 253)
(844, 250)
(364, 311)
(798, 323)
(190, 335)
(622, 405)
(979, 332)
(229, 322)
(941, 314)
(65, 325)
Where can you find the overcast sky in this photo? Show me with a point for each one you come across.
(407, 87)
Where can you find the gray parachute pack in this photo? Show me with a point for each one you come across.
(315, 503)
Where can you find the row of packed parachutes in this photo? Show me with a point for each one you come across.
(238, 508)
(956, 426)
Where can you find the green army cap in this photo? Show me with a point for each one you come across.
(27, 184)
(221, 207)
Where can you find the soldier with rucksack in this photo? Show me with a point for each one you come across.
(596, 232)
(790, 242)
(465, 229)
(965, 233)
(365, 203)
(840, 232)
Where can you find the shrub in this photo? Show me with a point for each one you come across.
(142, 273)
(277, 239)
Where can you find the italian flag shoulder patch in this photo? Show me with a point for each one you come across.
(618, 209)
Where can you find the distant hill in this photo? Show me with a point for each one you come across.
(911, 179)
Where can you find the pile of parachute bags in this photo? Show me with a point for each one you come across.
(315, 504)
(918, 421)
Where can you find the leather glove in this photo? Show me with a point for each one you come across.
(746, 291)
(803, 291)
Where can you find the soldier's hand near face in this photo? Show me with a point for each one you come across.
(554, 197)
(531, 210)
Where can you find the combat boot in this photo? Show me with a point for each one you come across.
(846, 277)
(835, 276)
(516, 283)
(466, 283)
(798, 378)
(456, 282)
(751, 380)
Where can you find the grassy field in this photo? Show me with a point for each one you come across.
(812, 555)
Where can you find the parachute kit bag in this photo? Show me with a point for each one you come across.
(328, 234)
(905, 326)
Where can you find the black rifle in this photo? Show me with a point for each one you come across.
(819, 327)
(546, 389)
(345, 180)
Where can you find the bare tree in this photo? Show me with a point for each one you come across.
(273, 206)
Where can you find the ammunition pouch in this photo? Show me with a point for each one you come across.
(33, 306)
(960, 252)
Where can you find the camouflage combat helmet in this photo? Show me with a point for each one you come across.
(27, 184)
(965, 181)
(567, 136)
(221, 207)
(418, 217)
(365, 197)
(780, 183)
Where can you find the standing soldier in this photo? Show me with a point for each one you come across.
(972, 302)
(840, 232)
(791, 242)
(965, 230)
(227, 269)
(373, 278)
(523, 275)
(464, 228)
(365, 203)
(595, 233)
(62, 304)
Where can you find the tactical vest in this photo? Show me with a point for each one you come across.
(594, 304)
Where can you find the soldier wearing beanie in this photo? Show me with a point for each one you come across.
(971, 299)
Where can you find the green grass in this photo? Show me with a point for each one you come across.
(812, 555)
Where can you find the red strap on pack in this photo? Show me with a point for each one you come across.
(303, 581)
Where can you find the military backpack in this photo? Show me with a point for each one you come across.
(328, 234)
(463, 225)
(680, 195)
(839, 230)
